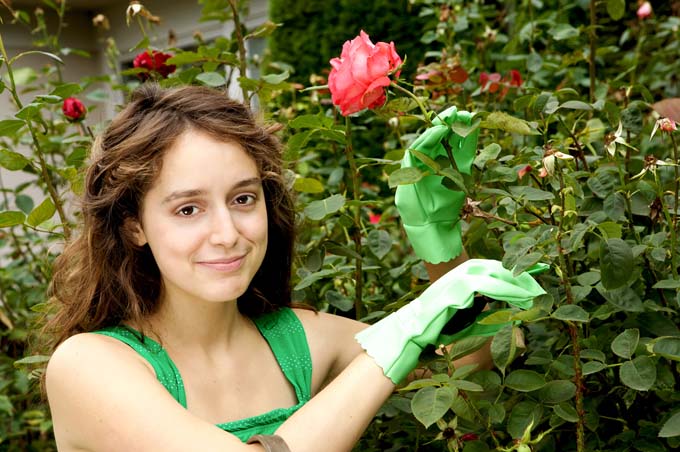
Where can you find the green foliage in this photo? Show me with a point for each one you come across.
(566, 173)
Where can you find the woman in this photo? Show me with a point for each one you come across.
(185, 211)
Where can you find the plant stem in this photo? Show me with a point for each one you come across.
(573, 329)
(593, 41)
(676, 187)
(423, 110)
(241, 46)
(50, 186)
(356, 233)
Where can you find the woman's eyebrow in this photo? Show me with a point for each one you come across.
(198, 192)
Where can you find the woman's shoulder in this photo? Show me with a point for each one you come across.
(96, 352)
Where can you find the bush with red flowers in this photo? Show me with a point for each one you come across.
(153, 61)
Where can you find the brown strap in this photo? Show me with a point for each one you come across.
(271, 443)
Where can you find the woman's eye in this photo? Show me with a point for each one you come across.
(187, 211)
(245, 200)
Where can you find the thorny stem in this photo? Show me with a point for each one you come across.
(573, 329)
(675, 204)
(241, 46)
(670, 222)
(356, 233)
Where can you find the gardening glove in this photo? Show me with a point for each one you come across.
(429, 211)
(396, 342)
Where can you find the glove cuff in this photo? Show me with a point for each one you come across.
(446, 236)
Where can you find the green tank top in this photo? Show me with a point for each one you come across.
(286, 337)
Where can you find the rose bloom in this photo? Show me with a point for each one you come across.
(644, 11)
(359, 76)
(73, 109)
(493, 80)
(154, 61)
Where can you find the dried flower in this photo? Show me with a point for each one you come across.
(665, 125)
(101, 21)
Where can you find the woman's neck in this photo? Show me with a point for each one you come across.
(198, 326)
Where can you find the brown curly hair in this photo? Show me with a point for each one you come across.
(102, 278)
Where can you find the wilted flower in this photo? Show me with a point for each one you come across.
(524, 171)
(651, 163)
(135, 8)
(665, 125)
(73, 109)
(645, 10)
(101, 21)
(611, 139)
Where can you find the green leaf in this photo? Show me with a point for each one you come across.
(12, 161)
(566, 412)
(379, 242)
(592, 367)
(186, 58)
(275, 79)
(33, 52)
(534, 62)
(524, 380)
(490, 152)
(463, 129)
(29, 111)
(503, 121)
(98, 95)
(6, 405)
(616, 9)
(575, 105)
(525, 262)
(318, 210)
(624, 298)
(338, 300)
(504, 348)
(465, 385)
(11, 218)
(639, 374)
(431, 404)
(211, 79)
(570, 312)
(66, 90)
(9, 126)
(615, 207)
(557, 391)
(405, 176)
(667, 284)
(563, 31)
(531, 193)
(610, 230)
(668, 347)
(425, 159)
(616, 263)
(313, 277)
(624, 344)
(33, 359)
(311, 122)
(455, 177)
(671, 427)
(526, 413)
(24, 76)
(308, 185)
(24, 202)
(42, 213)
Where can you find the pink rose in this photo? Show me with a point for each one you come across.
(154, 61)
(73, 109)
(359, 76)
(644, 11)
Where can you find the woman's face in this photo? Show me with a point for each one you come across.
(205, 220)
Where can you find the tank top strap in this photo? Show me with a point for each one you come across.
(286, 336)
(166, 371)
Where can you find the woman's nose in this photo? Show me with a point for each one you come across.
(224, 230)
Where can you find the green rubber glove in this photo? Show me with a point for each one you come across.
(396, 342)
(430, 211)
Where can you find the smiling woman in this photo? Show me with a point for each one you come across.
(172, 325)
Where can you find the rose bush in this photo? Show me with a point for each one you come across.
(153, 61)
(358, 78)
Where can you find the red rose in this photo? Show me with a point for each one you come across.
(73, 109)
(469, 437)
(514, 78)
(493, 80)
(154, 61)
(359, 76)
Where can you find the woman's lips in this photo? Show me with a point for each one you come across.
(224, 265)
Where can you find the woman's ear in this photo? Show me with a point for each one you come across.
(136, 232)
